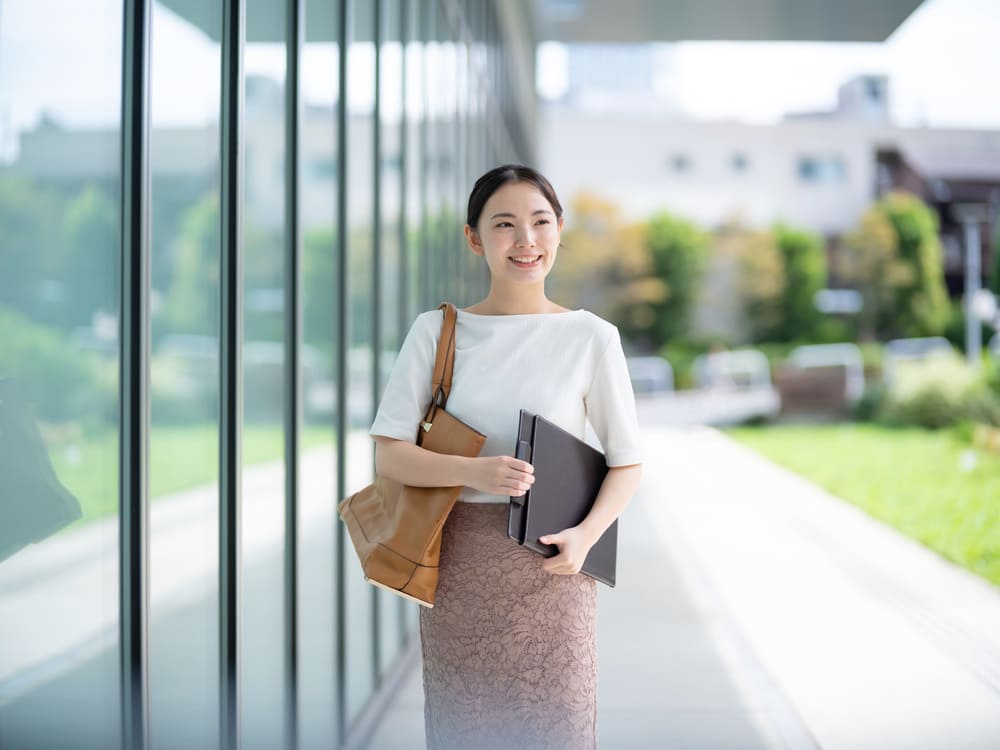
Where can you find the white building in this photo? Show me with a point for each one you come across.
(817, 171)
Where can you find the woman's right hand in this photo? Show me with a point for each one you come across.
(500, 475)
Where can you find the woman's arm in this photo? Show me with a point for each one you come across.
(616, 491)
(410, 464)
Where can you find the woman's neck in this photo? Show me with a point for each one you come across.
(497, 303)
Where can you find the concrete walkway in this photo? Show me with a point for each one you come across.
(754, 610)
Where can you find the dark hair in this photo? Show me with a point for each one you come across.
(496, 178)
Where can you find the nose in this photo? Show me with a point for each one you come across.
(525, 239)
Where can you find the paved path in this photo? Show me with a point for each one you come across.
(757, 611)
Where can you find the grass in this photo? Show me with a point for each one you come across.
(180, 457)
(920, 482)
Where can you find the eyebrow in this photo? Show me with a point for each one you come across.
(539, 211)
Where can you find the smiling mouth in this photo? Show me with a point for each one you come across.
(527, 260)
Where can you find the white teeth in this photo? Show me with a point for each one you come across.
(527, 258)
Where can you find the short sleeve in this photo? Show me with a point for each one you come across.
(610, 405)
(408, 390)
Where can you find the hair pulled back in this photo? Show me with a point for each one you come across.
(496, 178)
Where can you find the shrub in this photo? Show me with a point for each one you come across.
(938, 392)
(62, 382)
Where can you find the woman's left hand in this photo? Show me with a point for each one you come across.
(573, 544)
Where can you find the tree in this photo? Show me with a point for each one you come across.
(604, 265)
(804, 262)
(91, 267)
(31, 248)
(763, 281)
(922, 305)
(895, 259)
(192, 301)
(870, 260)
(678, 250)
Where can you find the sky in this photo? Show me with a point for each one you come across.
(943, 63)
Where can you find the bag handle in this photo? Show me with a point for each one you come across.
(444, 364)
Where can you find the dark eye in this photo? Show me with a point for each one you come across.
(504, 223)
(543, 221)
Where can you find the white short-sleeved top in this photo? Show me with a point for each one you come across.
(568, 367)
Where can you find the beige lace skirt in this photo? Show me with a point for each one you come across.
(509, 651)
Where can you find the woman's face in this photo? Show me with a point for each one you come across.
(517, 224)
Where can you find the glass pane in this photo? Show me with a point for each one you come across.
(263, 511)
(317, 521)
(391, 91)
(184, 371)
(60, 223)
(415, 96)
(360, 595)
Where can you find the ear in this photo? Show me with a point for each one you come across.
(472, 238)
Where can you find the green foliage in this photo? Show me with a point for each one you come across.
(192, 301)
(762, 282)
(678, 250)
(937, 392)
(954, 329)
(894, 258)
(91, 267)
(871, 405)
(993, 280)
(605, 266)
(61, 382)
(780, 272)
(59, 253)
(319, 281)
(923, 304)
(681, 354)
(805, 274)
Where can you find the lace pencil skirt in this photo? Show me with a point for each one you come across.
(509, 651)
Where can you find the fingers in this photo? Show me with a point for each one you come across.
(522, 466)
(560, 565)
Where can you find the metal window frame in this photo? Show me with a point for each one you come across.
(230, 368)
(403, 310)
(134, 331)
(343, 333)
(294, 40)
(427, 255)
(376, 318)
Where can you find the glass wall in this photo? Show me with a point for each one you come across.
(264, 380)
(361, 596)
(399, 110)
(60, 165)
(319, 191)
(184, 379)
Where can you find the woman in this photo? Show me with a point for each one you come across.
(509, 648)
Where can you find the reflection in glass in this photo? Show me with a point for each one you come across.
(184, 391)
(263, 499)
(360, 595)
(317, 633)
(390, 160)
(60, 105)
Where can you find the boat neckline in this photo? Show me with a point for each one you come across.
(518, 315)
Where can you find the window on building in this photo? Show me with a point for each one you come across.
(739, 162)
(821, 169)
(680, 163)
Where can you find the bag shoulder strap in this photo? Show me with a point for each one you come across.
(444, 364)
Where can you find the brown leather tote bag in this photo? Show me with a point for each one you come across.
(396, 528)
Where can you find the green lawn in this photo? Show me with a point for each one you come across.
(179, 458)
(916, 480)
